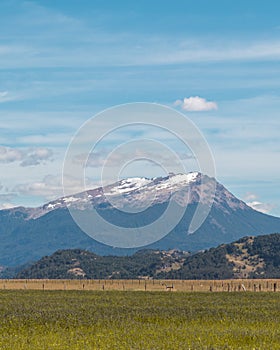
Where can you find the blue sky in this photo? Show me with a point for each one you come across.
(61, 62)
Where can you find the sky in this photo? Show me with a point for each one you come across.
(62, 62)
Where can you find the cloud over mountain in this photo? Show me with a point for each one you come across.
(253, 202)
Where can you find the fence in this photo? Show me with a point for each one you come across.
(238, 285)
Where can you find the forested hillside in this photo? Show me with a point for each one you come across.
(249, 257)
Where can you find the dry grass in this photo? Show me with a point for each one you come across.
(244, 263)
(264, 285)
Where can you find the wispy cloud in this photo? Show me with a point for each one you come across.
(5, 96)
(100, 158)
(152, 53)
(116, 48)
(196, 104)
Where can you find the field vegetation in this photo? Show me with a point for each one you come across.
(138, 320)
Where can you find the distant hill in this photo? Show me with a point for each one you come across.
(249, 257)
(27, 234)
(77, 263)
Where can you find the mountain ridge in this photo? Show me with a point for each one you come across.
(30, 233)
(135, 187)
(249, 257)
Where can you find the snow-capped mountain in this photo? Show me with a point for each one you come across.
(135, 192)
(29, 233)
(139, 192)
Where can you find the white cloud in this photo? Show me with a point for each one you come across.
(253, 202)
(6, 206)
(9, 155)
(26, 157)
(37, 155)
(262, 207)
(50, 187)
(196, 104)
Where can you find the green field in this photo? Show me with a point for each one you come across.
(138, 320)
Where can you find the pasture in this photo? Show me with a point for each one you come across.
(233, 285)
(73, 319)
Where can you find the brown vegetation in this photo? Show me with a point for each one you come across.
(242, 285)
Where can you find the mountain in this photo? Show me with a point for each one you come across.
(27, 234)
(249, 257)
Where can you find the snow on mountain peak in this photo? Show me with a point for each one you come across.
(134, 190)
(158, 183)
(127, 185)
(183, 178)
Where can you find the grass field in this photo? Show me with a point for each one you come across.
(138, 320)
